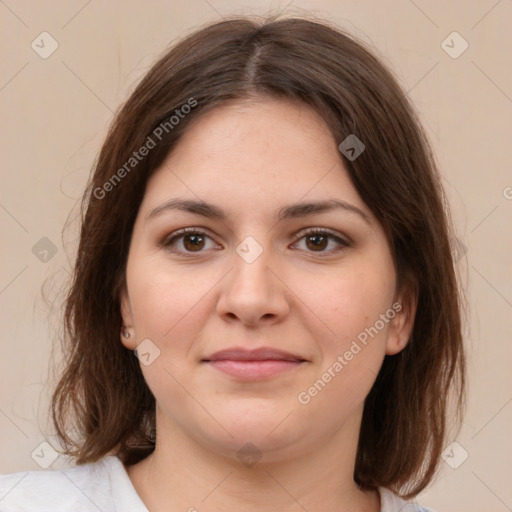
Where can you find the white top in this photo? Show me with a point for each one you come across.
(101, 486)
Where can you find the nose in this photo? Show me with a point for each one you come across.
(254, 293)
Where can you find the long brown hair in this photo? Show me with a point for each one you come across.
(102, 395)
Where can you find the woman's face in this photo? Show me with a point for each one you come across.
(251, 273)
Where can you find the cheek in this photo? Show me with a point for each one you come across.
(166, 306)
(163, 298)
(356, 300)
(356, 310)
(351, 355)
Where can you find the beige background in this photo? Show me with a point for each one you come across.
(55, 113)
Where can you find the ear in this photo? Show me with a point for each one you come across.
(127, 317)
(401, 325)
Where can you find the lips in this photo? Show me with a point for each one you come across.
(252, 365)
(260, 354)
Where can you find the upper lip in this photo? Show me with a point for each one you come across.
(259, 354)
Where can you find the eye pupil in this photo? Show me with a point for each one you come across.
(319, 241)
(195, 241)
(194, 245)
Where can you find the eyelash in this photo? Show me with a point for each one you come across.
(167, 243)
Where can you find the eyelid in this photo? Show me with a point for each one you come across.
(325, 231)
(342, 240)
(182, 232)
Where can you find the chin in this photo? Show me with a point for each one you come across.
(269, 427)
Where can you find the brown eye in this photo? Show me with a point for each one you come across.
(187, 241)
(317, 242)
(193, 242)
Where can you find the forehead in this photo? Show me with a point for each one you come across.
(253, 155)
(269, 128)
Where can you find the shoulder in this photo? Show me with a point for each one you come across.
(103, 485)
(390, 502)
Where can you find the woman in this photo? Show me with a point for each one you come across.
(265, 231)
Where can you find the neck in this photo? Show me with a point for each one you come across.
(182, 474)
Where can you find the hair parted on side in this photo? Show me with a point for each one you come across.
(102, 396)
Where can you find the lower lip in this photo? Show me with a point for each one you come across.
(254, 370)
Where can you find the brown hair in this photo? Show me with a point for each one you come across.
(102, 394)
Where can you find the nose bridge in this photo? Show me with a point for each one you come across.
(250, 266)
(251, 290)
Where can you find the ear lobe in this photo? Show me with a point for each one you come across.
(127, 318)
(402, 324)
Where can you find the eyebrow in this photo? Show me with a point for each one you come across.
(291, 211)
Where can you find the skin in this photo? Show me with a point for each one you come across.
(251, 159)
